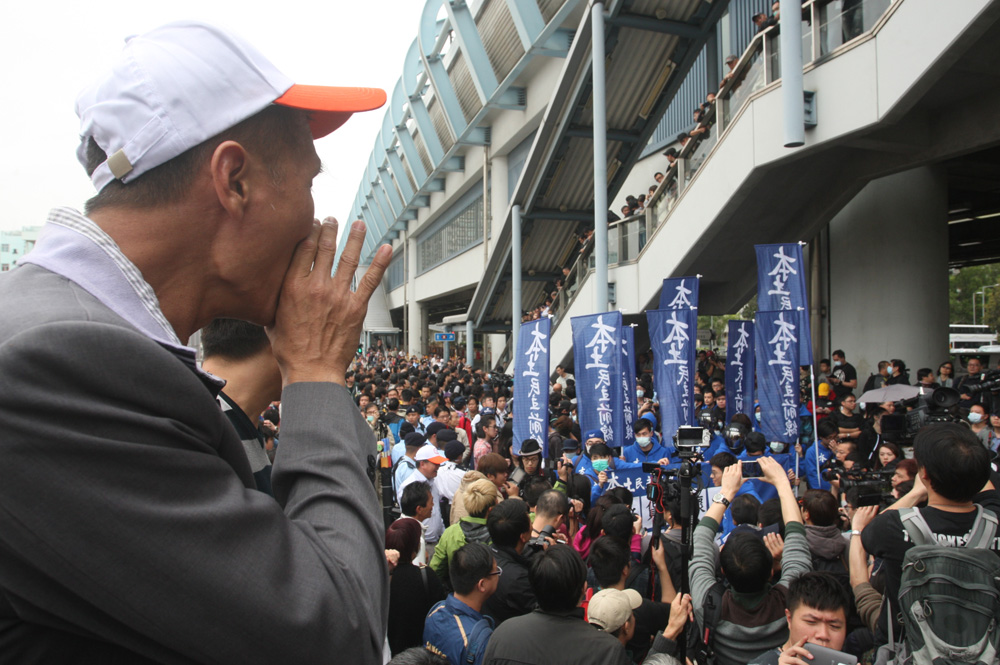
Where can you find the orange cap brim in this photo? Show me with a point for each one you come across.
(330, 107)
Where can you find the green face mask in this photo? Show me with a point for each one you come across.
(600, 465)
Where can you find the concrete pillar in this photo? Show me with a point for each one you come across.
(498, 197)
(469, 343)
(416, 316)
(877, 313)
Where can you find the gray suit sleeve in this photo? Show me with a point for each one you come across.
(701, 570)
(125, 513)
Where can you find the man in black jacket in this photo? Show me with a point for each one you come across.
(555, 632)
(510, 529)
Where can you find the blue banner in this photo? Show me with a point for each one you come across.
(778, 374)
(679, 293)
(672, 335)
(531, 385)
(597, 359)
(629, 400)
(740, 370)
(781, 285)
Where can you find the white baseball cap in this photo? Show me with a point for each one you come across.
(611, 608)
(429, 453)
(178, 85)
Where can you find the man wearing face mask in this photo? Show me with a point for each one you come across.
(843, 378)
(645, 448)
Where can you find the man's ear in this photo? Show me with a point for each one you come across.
(230, 171)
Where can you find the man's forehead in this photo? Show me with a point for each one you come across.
(811, 613)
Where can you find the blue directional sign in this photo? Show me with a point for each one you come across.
(444, 337)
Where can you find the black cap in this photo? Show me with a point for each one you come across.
(454, 450)
(414, 440)
(412, 409)
(530, 447)
(434, 428)
(569, 443)
(446, 435)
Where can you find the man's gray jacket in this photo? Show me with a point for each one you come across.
(130, 529)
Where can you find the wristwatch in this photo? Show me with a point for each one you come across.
(721, 499)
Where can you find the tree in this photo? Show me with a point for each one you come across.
(964, 286)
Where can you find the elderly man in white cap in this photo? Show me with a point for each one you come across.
(130, 530)
(428, 459)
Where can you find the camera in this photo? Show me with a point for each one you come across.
(541, 540)
(690, 440)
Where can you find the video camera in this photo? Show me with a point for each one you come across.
(935, 406)
(875, 486)
(498, 379)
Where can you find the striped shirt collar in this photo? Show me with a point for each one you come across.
(75, 247)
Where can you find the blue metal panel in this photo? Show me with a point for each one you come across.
(390, 211)
(409, 148)
(741, 28)
(678, 117)
(380, 223)
(395, 163)
(471, 43)
(413, 66)
(430, 27)
(528, 21)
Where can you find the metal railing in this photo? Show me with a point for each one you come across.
(826, 26)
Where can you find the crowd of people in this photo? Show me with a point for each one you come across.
(504, 553)
(289, 499)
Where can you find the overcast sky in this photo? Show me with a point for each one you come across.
(50, 50)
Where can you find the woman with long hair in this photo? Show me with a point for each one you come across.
(946, 375)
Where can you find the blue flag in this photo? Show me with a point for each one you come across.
(778, 374)
(597, 358)
(781, 285)
(629, 400)
(679, 293)
(740, 370)
(531, 385)
(672, 335)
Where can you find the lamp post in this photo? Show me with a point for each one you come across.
(982, 301)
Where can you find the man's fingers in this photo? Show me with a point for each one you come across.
(372, 277)
(305, 254)
(350, 256)
(327, 250)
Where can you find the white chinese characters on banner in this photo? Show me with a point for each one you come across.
(600, 343)
(537, 407)
(782, 271)
(739, 348)
(783, 346)
(681, 300)
(677, 339)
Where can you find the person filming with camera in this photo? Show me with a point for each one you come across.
(750, 615)
(953, 476)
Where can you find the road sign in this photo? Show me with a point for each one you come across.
(444, 337)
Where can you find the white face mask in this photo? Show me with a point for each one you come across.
(640, 393)
(836, 363)
(975, 417)
(644, 441)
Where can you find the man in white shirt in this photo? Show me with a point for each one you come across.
(428, 459)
